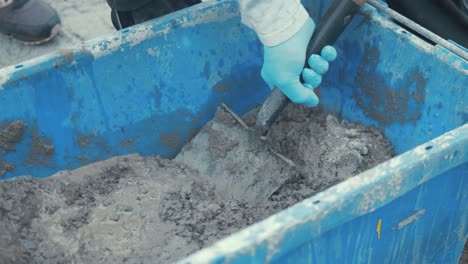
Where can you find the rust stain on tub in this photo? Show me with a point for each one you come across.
(5, 167)
(92, 141)
(10, 134)
(171, 141)
(127, 142)
(88, 143)
(41, 151)
(401, 103)
(85, 140)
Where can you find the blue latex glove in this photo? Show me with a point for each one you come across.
(284, 63)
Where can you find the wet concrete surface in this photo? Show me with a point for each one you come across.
(135, 209)
(236, 160)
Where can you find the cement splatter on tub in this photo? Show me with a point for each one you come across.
(41, 151)
(11, 133)
(135, 209)
(5, 167)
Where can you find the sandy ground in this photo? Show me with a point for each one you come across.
(82, 20)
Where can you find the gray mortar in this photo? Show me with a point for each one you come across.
(236, 160)
(135, 209)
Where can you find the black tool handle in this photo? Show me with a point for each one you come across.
(332, 24)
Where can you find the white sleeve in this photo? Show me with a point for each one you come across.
(275, 21)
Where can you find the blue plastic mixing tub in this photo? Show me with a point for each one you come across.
(149, 88)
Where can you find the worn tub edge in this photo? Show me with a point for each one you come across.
(354, 197)
(440, 52)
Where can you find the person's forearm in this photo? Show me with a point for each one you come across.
(275, 21)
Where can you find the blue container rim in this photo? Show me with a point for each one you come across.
(100, 47)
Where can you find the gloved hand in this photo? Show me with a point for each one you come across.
(284, 63)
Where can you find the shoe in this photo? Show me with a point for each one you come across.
(31, 21)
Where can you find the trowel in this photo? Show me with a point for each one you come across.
(237, 158)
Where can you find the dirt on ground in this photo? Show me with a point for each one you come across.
(81, 20)
(136, 209)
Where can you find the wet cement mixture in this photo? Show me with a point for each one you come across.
(135, 209)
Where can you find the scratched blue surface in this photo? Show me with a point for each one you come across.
(147, 98)
(148, 89)
(357, 242)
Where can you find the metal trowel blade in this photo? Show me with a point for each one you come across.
(241, 165)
